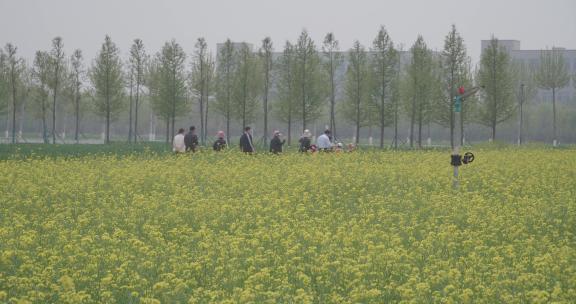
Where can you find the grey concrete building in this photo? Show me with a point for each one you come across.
(531, 58)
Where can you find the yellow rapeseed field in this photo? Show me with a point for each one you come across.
(364, 227)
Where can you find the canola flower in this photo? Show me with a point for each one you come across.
(364, 227)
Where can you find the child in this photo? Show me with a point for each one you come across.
(276, 144)
(220, 143)
(305, 141)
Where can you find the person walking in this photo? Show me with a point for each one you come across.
(178, 145)
(304, 141)
(220, 143)
(191, 139)
(246, 145)
(276, 144)
(323, 142)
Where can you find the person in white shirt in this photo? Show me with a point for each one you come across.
(323, 141)
(178, 145)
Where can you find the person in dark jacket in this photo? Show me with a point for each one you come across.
(220, 143)
(305, 143)
(246, 145)
(276, 144)
(191, 139)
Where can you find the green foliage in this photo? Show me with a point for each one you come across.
(41, 74)
(455, 65)
(495, 74)
(167, 84)
(225, 83)
(333, 60)
(247, 84)
(384, 63)
(108, 83)
(4, 91)
(117, 149)
(266, 61)
(357, 107)
(420, 88)
(137, 63)
(552, 72)
(202, 82)
(284, 108)
(523, 75)
(309, 81)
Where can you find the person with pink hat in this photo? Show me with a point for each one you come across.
(276, 144)
(220, 143)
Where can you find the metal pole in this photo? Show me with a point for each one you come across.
(456, 150)
(521, 101)
(457, 108)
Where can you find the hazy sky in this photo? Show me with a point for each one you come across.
(31, 24)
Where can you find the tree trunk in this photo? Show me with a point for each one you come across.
(244, 112)
(266, 83)
(396, 124)
(44, 125)
(77, 116)
(462, 124)
(228, 127)
(332, 98)
(289, 119)
(130, 111)
(554, 116)
(206, 118)
(173, 119)
(521, 114)
(13, 113)
(201, 114)
(304, 93)
(136, 110)
(382, 118)
(289, 129)
(107, 138)
(168, 139)
(57, 70)
(494, 130)
(412, 122)
(420, 128)
(358, 99)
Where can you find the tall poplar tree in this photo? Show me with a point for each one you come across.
(3, 82)
(108, 81)
(138, 62)
(14, 70)
(246, 85)
(168, 85)
(286, 103)
(202, 75)
(309, 80)
(384, 64)
(495, 74)
(333, 60)
(420, 88)
(524, 90)
(225, 83)
(356, 108)
(40, 77)
(552, 74)
(454, 69)
(58, 72)
(266, 58)
(77, 75)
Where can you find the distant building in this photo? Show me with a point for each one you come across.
(531, 58)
